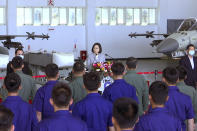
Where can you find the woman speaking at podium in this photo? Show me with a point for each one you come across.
(96, 55)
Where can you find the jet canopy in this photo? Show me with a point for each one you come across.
(187, 24)
(194, 27)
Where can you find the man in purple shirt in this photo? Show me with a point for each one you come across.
(125, 114)
(41, 99)
(6, 119)
(119, 88)
(24, 114)
(178, 103)
(158, 118)
(94, 109)
(62, 119)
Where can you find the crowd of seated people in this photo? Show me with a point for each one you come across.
(128, 104)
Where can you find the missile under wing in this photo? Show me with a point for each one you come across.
(174, 44)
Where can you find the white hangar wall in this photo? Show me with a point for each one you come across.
(114, 39)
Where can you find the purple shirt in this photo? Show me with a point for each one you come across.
(41, 100)
(180, 105)
(62, 121)
(120, 89)
(95, 111)
(24, 114)
(158, 119)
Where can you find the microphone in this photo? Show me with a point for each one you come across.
(109, 56)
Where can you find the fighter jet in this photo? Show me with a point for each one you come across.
(174, 44)
(10, 44)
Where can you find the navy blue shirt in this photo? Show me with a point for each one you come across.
(119, 88)
(158, 119)
(41, 100)
(62, 121)
(95, 111)
(24, 114)
(180, 105)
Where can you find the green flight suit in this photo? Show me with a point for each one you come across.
(28, 90)
(140, 84)
(76, 86)
(190, 91)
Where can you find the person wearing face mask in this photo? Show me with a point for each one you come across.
(190, 63)
(26, 70)
(96, 55)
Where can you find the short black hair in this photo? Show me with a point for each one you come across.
(171, 75)
(9, 68)
(61, 94)
(19, 49)
(17, 62)
(125, 112)
(159, 92)
(91, 81)
(51, 70)
(131, 62)
(99, 45)
(12, 82)
(190, 45)
(78, 66)
(118, 68)
(182, 72)
(6, 118)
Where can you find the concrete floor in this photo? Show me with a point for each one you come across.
(150, 65)
(144, 65)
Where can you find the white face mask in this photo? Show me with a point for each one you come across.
(21, 56)
(191, 52)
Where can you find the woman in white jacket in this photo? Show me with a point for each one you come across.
(96, 55)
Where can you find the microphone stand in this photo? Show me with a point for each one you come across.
(110, 57)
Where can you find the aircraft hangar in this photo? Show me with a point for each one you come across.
(73, 27)
(155, 32)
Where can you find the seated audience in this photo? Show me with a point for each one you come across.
(24, 114)
(119, 88)
(158, 118)
(94, 109)
(41, 101)
(125, 114)
(62, 119)
(139, 82)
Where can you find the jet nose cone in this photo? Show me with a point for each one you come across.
(167, 46)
